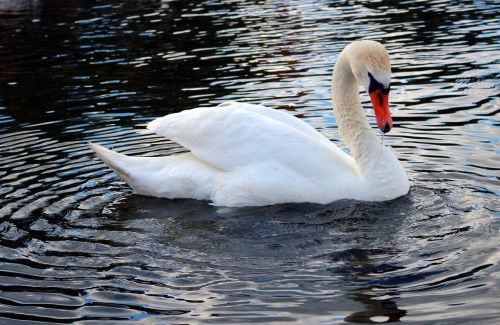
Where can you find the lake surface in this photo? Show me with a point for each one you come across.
(77, 246)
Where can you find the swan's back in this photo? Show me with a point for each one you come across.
(230, 137)
(240, 154)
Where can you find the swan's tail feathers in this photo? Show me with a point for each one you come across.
(118, 162)
(177, 176)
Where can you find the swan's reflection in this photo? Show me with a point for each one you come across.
(373, 238)
(355, 239)
(376, 311)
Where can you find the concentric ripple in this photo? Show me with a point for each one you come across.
(76, 246)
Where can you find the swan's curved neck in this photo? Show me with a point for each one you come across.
(351, 119)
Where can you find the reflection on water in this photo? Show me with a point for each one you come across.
(76, 245)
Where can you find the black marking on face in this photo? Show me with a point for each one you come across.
(375, 85)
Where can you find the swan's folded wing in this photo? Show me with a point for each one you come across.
(228, 138)
(280, 116)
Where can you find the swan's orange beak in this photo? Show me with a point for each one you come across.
(380, 102)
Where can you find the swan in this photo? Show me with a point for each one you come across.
(251, 155)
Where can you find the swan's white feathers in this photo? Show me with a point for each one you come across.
(250, 155)
(279, 116)
(231, 136)
(241, 154)
(177, 176)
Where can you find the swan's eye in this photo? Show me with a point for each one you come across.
(375, 85)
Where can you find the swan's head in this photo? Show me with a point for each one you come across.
(371, 66)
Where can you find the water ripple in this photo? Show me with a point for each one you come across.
(77, 246)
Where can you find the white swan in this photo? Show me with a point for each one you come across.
(251, 155)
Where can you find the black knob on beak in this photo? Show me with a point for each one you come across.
(387, 128)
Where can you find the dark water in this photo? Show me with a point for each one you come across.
(77, 246)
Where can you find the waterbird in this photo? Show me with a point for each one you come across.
(242, 154)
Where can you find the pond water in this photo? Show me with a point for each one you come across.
(77, 246)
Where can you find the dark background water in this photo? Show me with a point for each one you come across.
(77, 246)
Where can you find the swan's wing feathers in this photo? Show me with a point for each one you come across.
(279, 116)
(229, 137)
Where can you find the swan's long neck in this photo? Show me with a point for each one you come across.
(351, 119)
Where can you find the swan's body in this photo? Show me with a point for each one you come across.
(251, 155)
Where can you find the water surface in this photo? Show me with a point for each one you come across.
(77, 246)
